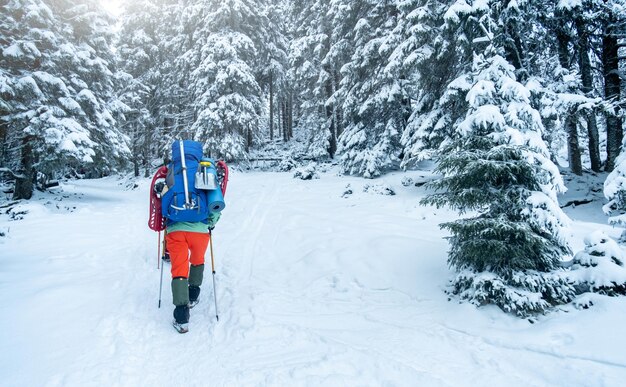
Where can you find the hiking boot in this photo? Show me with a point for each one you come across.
(194, 293)
(181, 319)
(181, 314)
(181, 328)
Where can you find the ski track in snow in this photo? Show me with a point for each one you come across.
(313, 289)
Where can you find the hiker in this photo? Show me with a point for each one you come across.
(187, 243)
(191, 203)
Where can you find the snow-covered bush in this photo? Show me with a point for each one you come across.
(287, 165)
(379, 189)
(407, 181)
(599, 268)
(615, 192)
(347, 192)
(308, 172)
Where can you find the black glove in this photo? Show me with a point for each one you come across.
(158, 188)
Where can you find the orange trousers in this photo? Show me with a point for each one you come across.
(185, 248)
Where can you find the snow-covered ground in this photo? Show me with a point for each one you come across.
(314, 288)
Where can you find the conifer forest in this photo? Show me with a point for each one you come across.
(502, 97)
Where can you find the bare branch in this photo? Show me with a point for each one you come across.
(10, 172)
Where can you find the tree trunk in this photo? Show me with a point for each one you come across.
(562, 40)
(513, 48)
(330, 115)
(290, 115)
(136, 167)
(248, 139)
(283, 114)
(137, 155)
(338, 113)
(280, 122)
(573, 147)
(147, 147)
(571, 129)
(610, 64)
(4, 130)
(25, 181)
(271, 106)
(587, 80)
(328, 93)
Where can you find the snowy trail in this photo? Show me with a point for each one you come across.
(313, 289)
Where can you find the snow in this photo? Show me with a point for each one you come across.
(313, 289)
(46, 78)
(484, 117)
(70, 105)
(482, 91)
(460, 7)
(28, 85)
(13, 51)
(569, 4)
(88, 96)
(601, 264)
(613, 188)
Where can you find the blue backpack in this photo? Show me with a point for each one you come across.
(194, 191)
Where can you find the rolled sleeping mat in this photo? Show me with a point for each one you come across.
(215, 196)
(216, 200)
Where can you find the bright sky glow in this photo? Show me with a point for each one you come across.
(112, 6)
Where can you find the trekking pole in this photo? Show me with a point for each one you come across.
(213, 269)
(161, 285)
(159, 250)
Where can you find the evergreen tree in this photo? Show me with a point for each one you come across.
(57, 84)
(613, 24)
(375, 104)
(613, 21)
(273, 62)
(227, 97)
(309, 47)
(432, 57)
(498, 166)
(145, 55)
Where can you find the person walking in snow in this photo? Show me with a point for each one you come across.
(186, 243)
(191, 204)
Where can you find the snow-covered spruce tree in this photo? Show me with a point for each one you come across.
(439, 41)
(58, 86)
(613, 24)
(499, 167)
(615, 192)
(375, 104)
(310, 44)
(157, 48)
(140, 54)
(273, 61)
(95, 63)
(227, 97)
(181, 44)
(436, 55)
